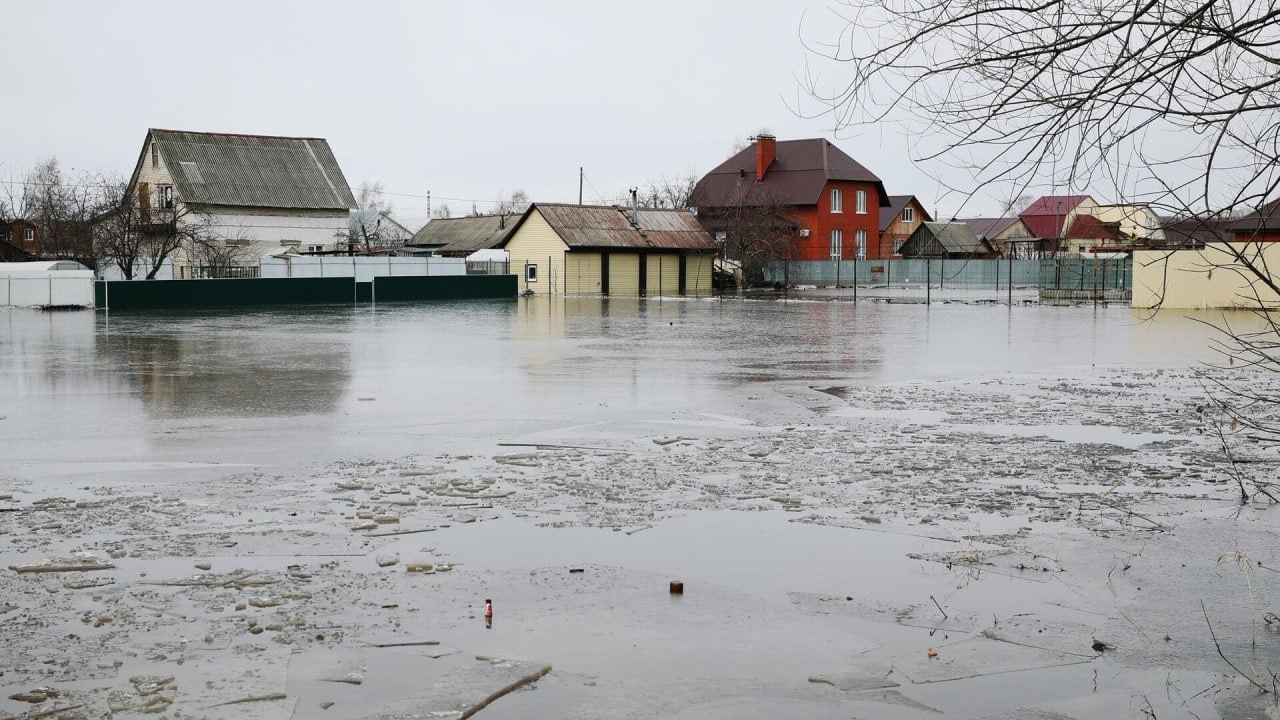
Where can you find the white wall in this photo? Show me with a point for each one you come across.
(269, 230)
(41, 289)
(363, 269)
(108, 270)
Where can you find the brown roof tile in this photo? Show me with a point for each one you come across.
(609, 227)
(797, 176)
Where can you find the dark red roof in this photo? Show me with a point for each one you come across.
(1045, 217)
(799, 172)
(1088, 227)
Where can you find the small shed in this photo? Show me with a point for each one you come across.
(603, 250)
(46, 284)
(460, 237)
(946, 240)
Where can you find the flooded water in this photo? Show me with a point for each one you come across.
(841, 486)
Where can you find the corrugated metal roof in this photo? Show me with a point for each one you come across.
(989, 227)
(799, 172)
(253, 170)
(932, 239)
(604, 227)
(465, 234)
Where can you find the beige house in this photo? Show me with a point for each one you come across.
(1138, 223)
(596, 250)
(252, 194)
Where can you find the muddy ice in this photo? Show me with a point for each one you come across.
(876, 511)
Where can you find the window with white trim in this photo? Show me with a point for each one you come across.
(861, 208)
(29, 235)
(908, 214)
(164, 196)
(837, 200)
(315, 248)
(861, 239)
(837, 244)
(531, 273)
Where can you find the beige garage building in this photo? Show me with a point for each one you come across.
(604, 250)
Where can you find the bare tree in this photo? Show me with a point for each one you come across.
(1167, 102)
(753, 230)
(221, 256)
(668, 192)
(372, 228)
(1162, 102)
(137, 236)
(60, 208)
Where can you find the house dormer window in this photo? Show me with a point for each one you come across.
(908, 214)
(164, 196)
(862, 202)
(837, 200)
(155, 156)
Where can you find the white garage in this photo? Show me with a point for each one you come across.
(46, 284)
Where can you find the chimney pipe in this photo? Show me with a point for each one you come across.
(766, 151)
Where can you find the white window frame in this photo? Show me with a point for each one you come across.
(861, 207)
(897, 247)
(530, 273)
(837, 244)
(29, 234)
(860, 237)
(315, 248)
(908, 214)
(837, 200)
(164, 197)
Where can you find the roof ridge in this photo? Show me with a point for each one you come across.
(227, 134)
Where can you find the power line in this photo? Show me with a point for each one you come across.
(27, 183)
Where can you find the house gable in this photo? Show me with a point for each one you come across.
(797, 174)
(247, 171)
(1049, 216)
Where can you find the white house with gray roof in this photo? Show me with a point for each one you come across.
(258, 193)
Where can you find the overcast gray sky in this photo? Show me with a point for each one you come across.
(465, 99)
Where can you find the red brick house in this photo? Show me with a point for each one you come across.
(24, 235)
(1261, 226)
(811, 198)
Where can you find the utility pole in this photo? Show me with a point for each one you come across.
(579, 184)
(428, 204)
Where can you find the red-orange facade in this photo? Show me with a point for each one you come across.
(821, 219)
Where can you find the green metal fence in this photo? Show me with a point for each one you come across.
(443, 287)
(168, 294)
(1062, 279)
(909, 272)
(153, 294)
